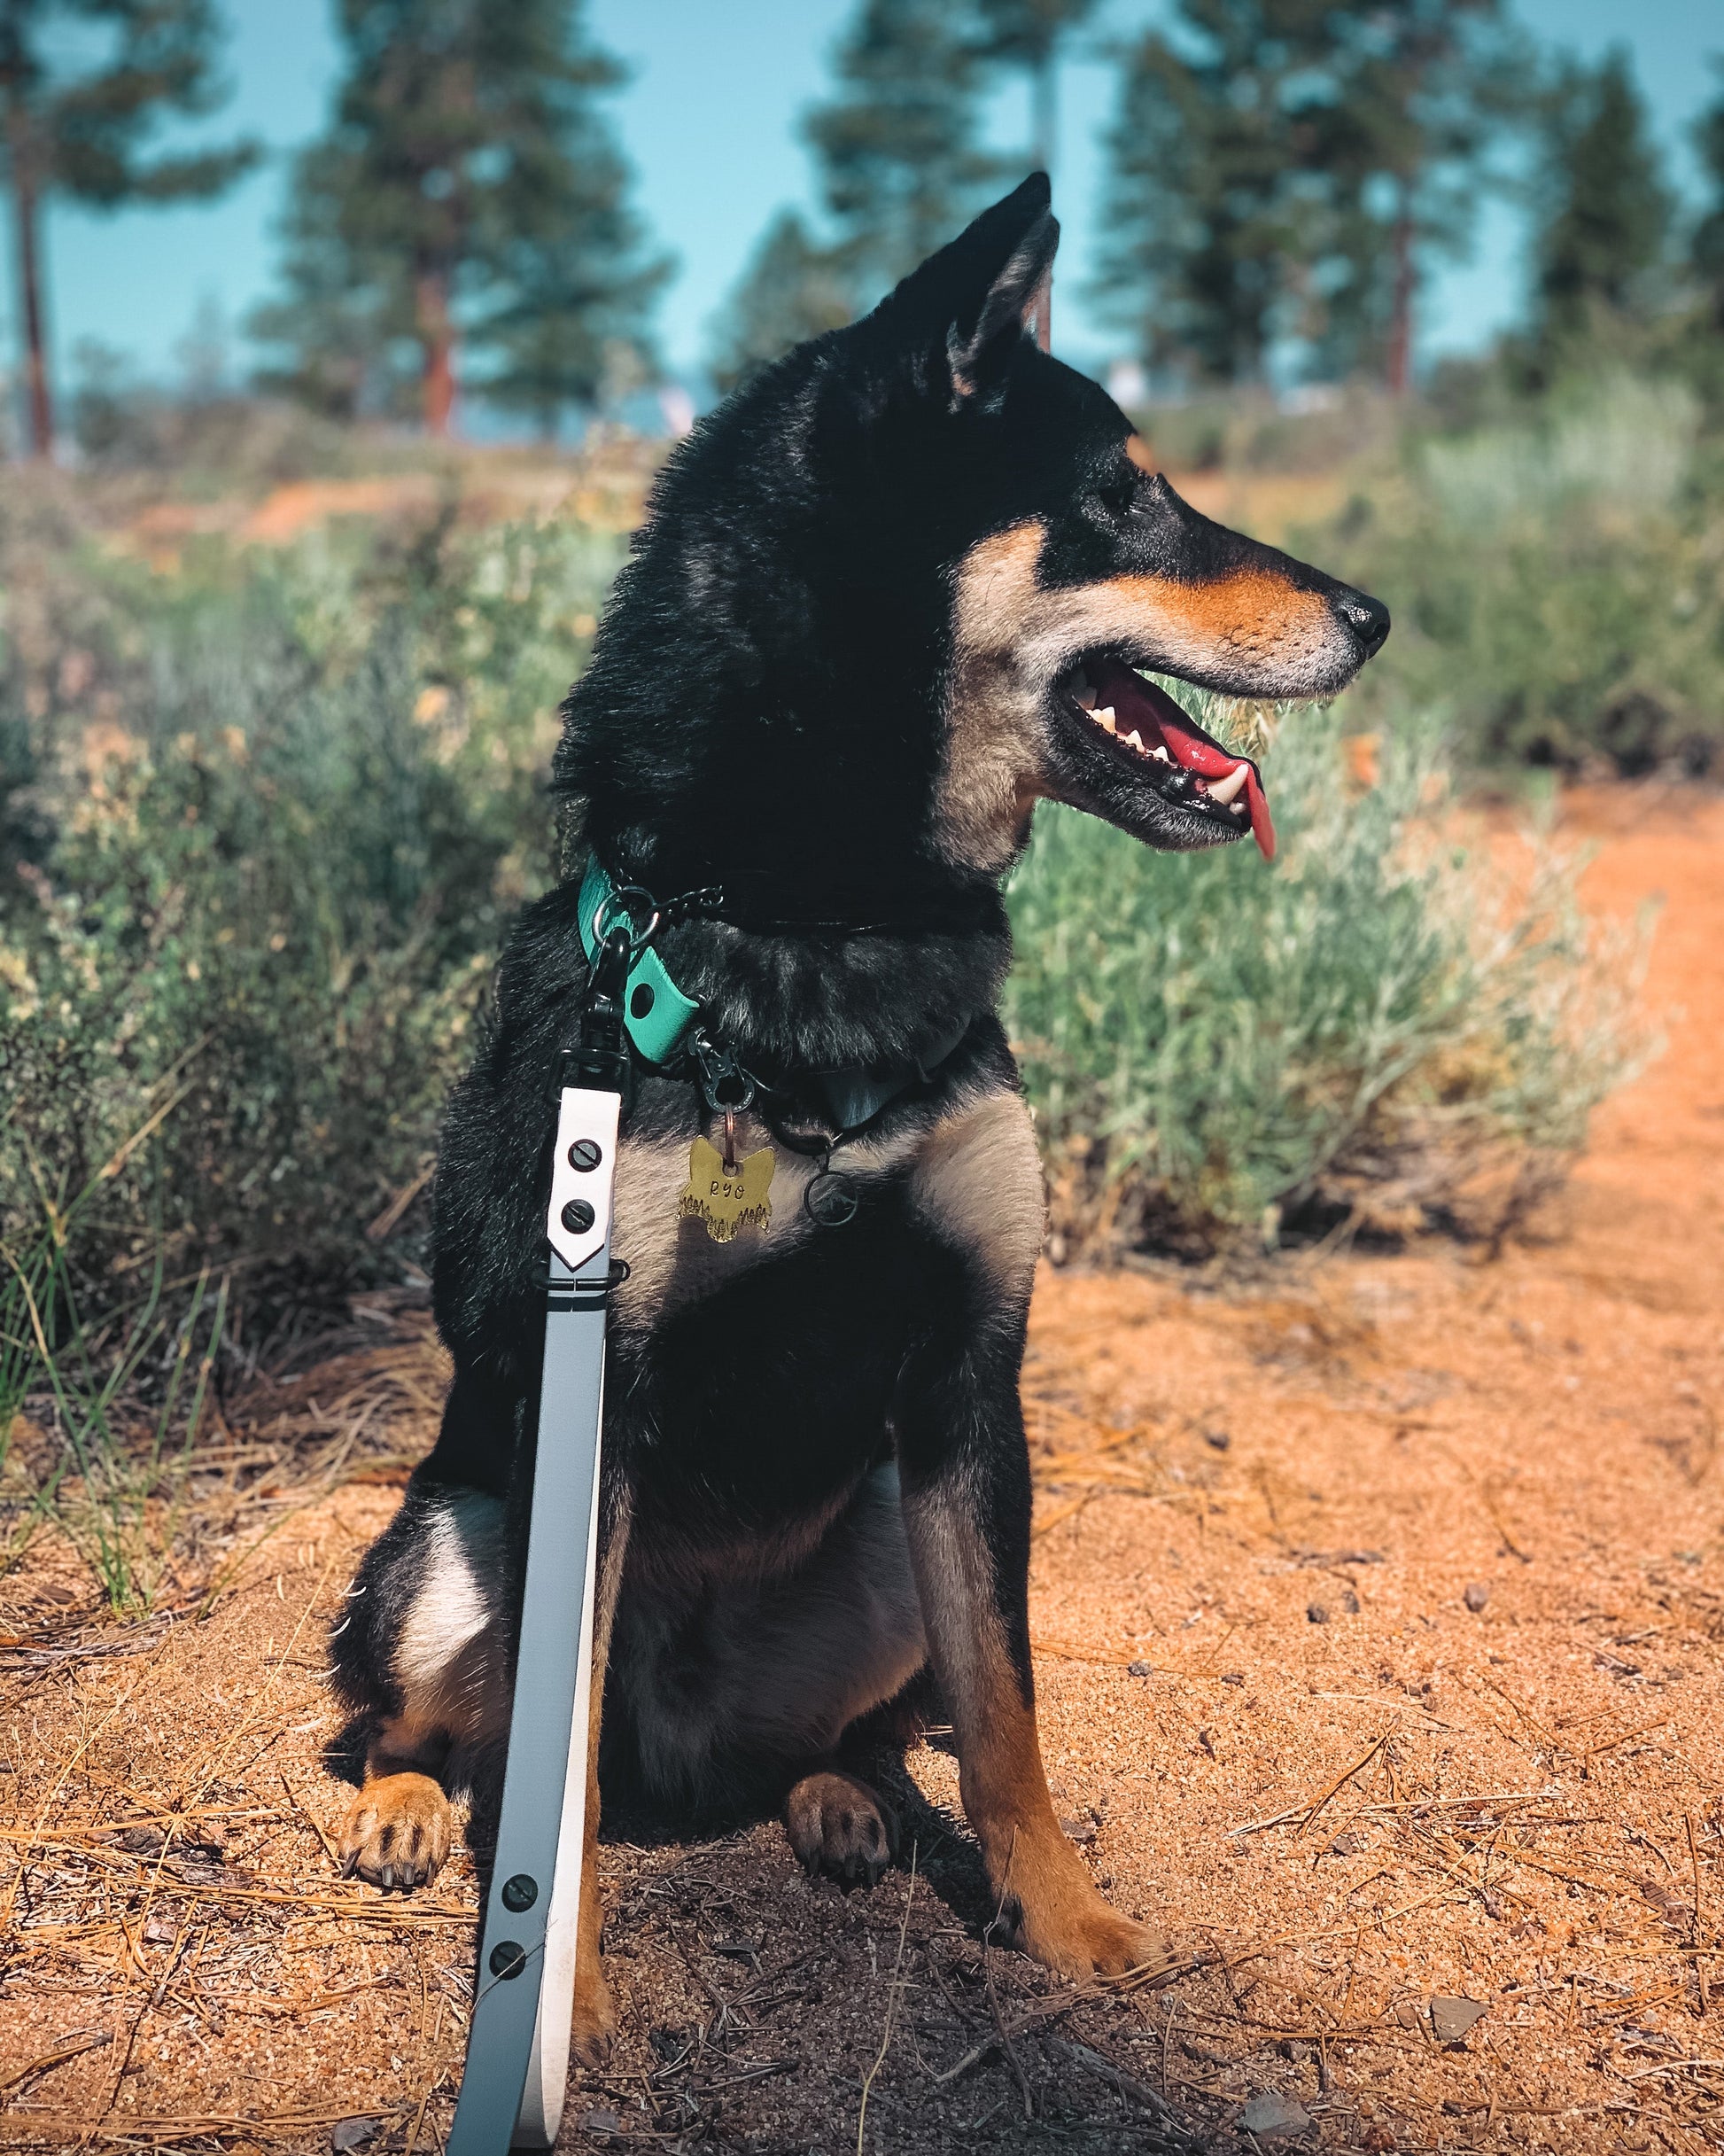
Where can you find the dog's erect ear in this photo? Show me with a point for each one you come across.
(977, 297)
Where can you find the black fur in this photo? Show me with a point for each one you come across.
(767, 708)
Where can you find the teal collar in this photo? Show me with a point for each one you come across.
(661, 1021)
(658, 1017)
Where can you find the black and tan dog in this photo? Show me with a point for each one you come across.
(887, 599)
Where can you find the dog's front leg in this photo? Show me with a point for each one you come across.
(965, 1469)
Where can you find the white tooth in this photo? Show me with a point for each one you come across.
(1104, 718)
(1236, 808)
(1160, 755)
(1136, 740)
(1227, 791)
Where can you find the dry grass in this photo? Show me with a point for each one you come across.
(1352, 1825)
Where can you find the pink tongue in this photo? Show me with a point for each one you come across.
(1204, 758)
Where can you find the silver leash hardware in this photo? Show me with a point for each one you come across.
(516, 2076)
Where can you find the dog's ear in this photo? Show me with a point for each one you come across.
(979, 297)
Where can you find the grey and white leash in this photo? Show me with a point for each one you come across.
(518, 2046)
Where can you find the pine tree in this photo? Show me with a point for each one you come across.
(1200, 226)
(1423, 93)
(1707, 246)
(84, 131)
(469, 190)
(792, 288)
(900, 168)
(1606, 211)
(900, 172)
(339, 337)
(1029, 35)
(1281, 168)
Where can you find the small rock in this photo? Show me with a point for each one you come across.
(601, 2122)
(1349, 1844)
(1451, 2019)
(352, 2134)
(1218, 1438)
(1316, 1613)
(1232, 1676)
(1138, 1668)
(1078, 1830)
(1269, 2116)
(1476, 1596)
(1407, 2013)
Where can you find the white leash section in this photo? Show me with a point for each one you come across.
(517, 2047)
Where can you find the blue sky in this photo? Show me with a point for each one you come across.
(710, 119)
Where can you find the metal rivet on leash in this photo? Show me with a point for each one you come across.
(519, 1892)
(508, 1959)
(586, 1153)
(578, 1216)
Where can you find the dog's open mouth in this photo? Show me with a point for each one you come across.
(1189, 768)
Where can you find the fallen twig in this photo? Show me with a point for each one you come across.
(892, 2009)
(1126, 2085)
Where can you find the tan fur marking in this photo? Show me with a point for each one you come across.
(673, 1261)
(448, 1657)
(1141, 455)
(1063, 1921)
(1013, 639)
(398, 1831)
(979, 1180)
(1249, 610)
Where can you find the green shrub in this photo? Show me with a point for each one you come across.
(269, 817)
(265, 898)
(1379, 1028)
(1556, 582)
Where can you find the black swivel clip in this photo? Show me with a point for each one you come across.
(598, 1059)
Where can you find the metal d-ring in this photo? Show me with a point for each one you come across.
(612, 903)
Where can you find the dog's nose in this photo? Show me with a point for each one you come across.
(1367, 618)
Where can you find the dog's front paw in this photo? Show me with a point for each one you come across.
(398, 1831)
(1092, 1939)
(838, 1825)
(595, 2022)
(1062, 1922)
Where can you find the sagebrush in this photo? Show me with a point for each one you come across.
(268, 817)
(263, 857)
(1557, 580)
(1384, 1030)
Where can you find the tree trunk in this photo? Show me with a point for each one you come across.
(1399, 359)
(437, 341)
(1044, 110)
(27, 207)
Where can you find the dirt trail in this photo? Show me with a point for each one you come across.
(1378, 1615)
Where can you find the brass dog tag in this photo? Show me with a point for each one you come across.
(727, 1204)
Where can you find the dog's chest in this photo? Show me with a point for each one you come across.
(689, 1232)
(754, 1375)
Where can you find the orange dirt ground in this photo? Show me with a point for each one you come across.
(1379, 1609)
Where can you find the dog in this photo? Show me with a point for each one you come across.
(886, 599)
